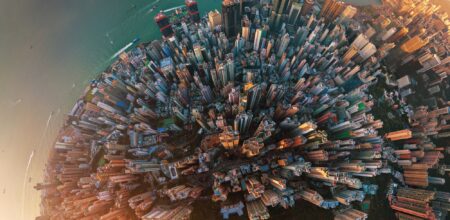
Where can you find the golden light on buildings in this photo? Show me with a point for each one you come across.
(413, 44)
(248, 86)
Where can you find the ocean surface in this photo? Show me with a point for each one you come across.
(49, 51)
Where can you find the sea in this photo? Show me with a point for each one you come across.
(49, 52)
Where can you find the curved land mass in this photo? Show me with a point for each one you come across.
(266, 110)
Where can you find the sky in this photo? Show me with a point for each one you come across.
(43, 69)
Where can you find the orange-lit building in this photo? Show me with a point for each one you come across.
(413, 44)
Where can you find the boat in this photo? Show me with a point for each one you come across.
(152, 9)
(135, 40)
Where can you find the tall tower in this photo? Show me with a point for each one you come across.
(331, 9)
(198, 52)
(193, 10)
(242, 122)
(367, 51)
(349, 12)
(257, 41)
(215, 19)
(279, 7)
(253, 97)
(284, 44)
(351, 52)
(231, 17)
(245, 33)
(360, 41)
(294, 13)
(164, 24)
(307, 6)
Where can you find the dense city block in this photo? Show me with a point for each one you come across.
(262, 106)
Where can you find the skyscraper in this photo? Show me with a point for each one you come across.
(351, 52)
(388, 34)
(307, 6)
(294, 13)
(215, 19)
(164, 24)
(246, 3)
(229, 138)
(413, 44)
(349, 12)
(242, 122)
(245, 33)
(275, 21)
(399, 35)
(231, 17)
(257, 41)
(360, 41)
(331, 9)
(253, 97)
(367, 51)
(280, 6)
(207, 94)
(198, 52)
(193, 10)
(284, 44)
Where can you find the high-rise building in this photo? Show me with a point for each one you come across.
(398, 35)
(275, 21)
(242, 122)
(349, 12)
(428, 61)
(200, 119)
(399, 135)
(198, 52)
(164, 24)
(388, 34)
(294, 13)
(370, 31)
(192, 8)
(331, 9)
(284, 44)
(351, 52)
(274, 93)
(229, 138)
(207, 94)
(215, 19)
(385, 22)
(269, 47)
(385, 48)
(307, 6)
(280, 6)
(367, 52)
(231, 17)
(250, 148)
(257, 41)
(246, 3)
(413, 44)
(245, 33)
(360, 41)
(253, 97)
